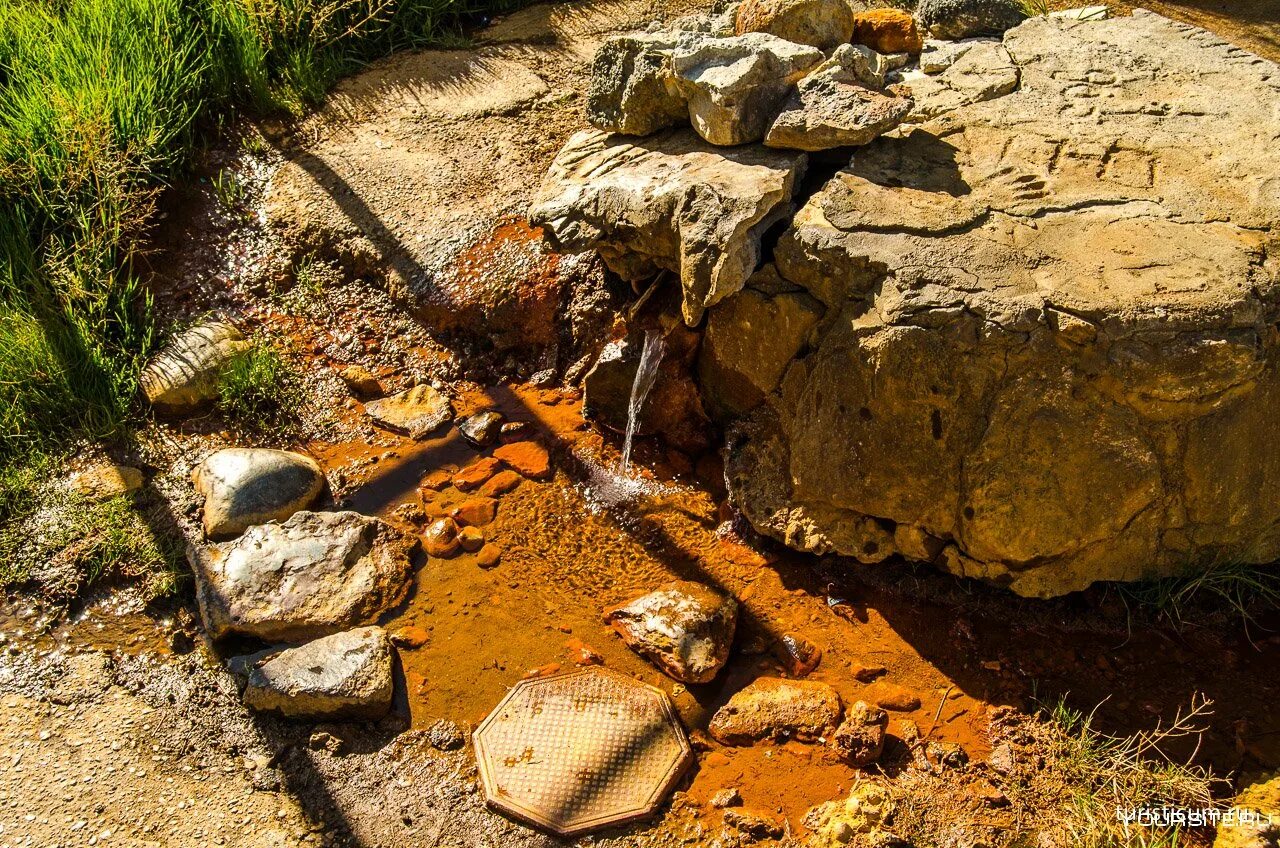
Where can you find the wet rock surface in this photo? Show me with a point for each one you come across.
(684, 627)
(773, 708)
(416, 412)
(246, 486)
(309, 576)
(183, 376)
(1042, 298)
(667, 202)
(346, 675)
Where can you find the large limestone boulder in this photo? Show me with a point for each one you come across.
(183, 376)
(669, 201)
(1047, 354)
(728, 88)
(315, 574)
(346, 675)
(247, 486)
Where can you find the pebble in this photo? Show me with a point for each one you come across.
(489, 556)
(529, 458)
(727, 797)
(475, 474)
(893, 697)
(471, 539)
(440, 539)
(500, 484)
(476, 512)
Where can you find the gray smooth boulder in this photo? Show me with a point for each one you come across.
(247, 486)
(1047, 355)
(684, 627)
(669, 201)
(317, 573)
(346, 675)
(954, 19)
(183, 376)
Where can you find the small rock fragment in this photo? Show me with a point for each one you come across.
(475, 474)
(481, 429)
(887, 31)
(346, 675)
(797, 654)
(416, 412)
(684, 627)
(528, 458)
(440, 539)
(489, 556)
(773, 708)
(755, 823)
(948, 754)
(410, 636)
(361, 381)
(727, 797)
(581, 653)
(471, 539)
(860, 737)
(106, 481)
(476, 512)
(445, 735)
(500, 484)
(247, 486)
(893, 697)
(866, 673)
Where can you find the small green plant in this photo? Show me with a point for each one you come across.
(1105, 775)
(67, 544)
(258, 389)
(1243, 589)
(229, 190)
(1034, 8)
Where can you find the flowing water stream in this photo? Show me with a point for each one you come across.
(646, 376)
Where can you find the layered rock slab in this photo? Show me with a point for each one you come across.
(346, 675)
(668, 201)
(310, 576)
(1048, 348)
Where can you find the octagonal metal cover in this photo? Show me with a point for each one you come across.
(580, 751)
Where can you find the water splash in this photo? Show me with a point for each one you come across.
(646, 376)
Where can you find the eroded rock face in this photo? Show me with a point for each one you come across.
(1047, 352)
(728, 88)
(247, 486)
(668, 201)
(183, 377)
(317, 573)
(346, 675)
(684, 627)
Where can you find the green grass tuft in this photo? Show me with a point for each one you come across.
(259, 390)
(101, 102)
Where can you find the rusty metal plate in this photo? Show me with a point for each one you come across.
(580, 751)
